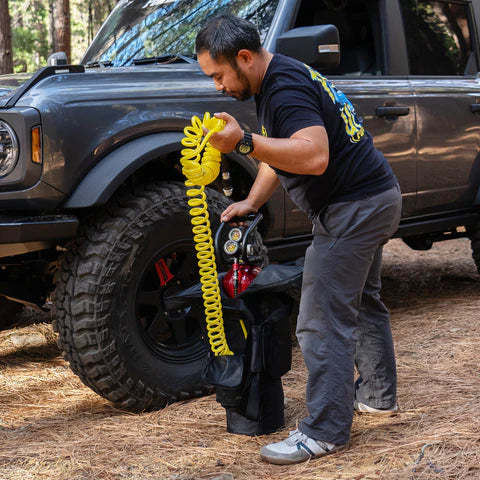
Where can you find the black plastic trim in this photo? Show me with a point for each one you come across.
(394, 36)
(434, 228)
(427, 226)
(37, 228)
(288, 250)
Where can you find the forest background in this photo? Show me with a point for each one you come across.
(31, 30)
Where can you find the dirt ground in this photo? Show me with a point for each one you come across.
(53, 427)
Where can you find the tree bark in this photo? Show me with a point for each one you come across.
(51, 27)
(40, 27)
(6, 56)
(90, 22)
(62, 32)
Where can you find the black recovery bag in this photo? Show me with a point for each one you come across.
(248, 384)
(268, 357)
(255, 405)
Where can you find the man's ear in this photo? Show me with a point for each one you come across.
(245, 57)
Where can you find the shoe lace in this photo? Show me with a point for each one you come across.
(295, 437)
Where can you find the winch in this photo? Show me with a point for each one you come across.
(241, 247)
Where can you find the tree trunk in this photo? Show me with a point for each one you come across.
(51, 27)
(62, 35)
(90, 22)
(6, 57)
(40, 27)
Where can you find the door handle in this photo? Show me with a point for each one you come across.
(397, 111)
(475, 107)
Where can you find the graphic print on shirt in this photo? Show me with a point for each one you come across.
(353, 125)
(264, 131)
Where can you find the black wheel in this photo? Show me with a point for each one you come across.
(113, 325)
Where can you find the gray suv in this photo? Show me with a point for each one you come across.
(93, 213)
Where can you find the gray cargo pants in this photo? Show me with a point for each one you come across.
(342, 321)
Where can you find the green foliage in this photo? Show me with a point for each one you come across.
(29, 34)
(31, 29)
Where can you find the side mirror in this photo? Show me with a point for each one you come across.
(318, 46)
(57, 58)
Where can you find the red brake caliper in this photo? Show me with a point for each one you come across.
(164, 273)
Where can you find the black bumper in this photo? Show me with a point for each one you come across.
(42, 228)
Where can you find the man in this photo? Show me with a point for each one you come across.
(315, 145)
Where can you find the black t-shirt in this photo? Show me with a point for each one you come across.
(294, 96)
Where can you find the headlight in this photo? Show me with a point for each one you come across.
(8, 149)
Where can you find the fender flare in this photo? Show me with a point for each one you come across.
(107, 175)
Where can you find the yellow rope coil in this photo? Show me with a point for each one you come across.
(202, 170)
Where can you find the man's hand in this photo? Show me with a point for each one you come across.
(237, 209)
(226, 140)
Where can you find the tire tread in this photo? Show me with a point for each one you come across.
(81, 322)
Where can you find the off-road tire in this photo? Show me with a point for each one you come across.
(99, 292)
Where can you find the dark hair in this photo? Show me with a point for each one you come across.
(224, 35)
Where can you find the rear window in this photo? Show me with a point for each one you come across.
(439, 38)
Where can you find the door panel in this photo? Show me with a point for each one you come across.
(448, 142)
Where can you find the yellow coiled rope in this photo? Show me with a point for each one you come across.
(202, 170)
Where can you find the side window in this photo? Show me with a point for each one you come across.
(357, 26)
(439, 40)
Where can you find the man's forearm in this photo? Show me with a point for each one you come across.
(305, 152)
(263, 187)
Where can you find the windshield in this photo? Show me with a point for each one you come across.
(141, 29)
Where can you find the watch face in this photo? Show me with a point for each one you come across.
(245, 145)
(244, 148)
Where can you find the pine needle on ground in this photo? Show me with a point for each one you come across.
(53, 427)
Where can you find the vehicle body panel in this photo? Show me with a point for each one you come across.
(448, 143)
(87, 115)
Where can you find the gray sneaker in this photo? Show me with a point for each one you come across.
(362, 408)
(298, 447)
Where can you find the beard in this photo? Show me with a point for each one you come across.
(246, 91)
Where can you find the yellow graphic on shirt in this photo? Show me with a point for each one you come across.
(353, 126)
(264, 131)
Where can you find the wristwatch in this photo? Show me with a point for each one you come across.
(245, 145)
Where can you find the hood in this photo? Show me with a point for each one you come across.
(118, 85)
(9, 83)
